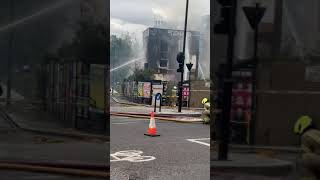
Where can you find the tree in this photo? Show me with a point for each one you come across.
(141, 75)
(89, 44)
(122, 50)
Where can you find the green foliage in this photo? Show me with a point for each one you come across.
(89, 44)
(122, 50)
(169, 88)
(141, 75)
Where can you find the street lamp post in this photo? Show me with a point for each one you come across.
(184, 47)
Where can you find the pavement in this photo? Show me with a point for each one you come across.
(253, 164)
(257, 162)
(124, 101)
(143, 111)
(30, 117)
(118, 99)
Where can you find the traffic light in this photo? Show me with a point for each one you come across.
(180, 59)
(180, 69)
(223, 26)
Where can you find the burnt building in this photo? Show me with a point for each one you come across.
(161, 48)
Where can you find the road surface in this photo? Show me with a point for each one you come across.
(180, 152)
(19, 145)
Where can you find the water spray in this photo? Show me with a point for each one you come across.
(201, 71)
(41, 12)
(126, 64)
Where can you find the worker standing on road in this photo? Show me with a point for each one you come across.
(174, 96)
(310, 142)
(206, 112)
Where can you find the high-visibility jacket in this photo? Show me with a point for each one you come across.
(310, 142)
(206, 112)
(206, 106)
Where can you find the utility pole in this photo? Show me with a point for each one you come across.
(10, 54)
(184, 48)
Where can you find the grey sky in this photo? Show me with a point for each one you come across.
(134, 16)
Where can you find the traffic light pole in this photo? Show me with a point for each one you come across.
(184, 48)
(223, 142)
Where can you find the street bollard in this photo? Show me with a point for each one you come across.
(157, 97)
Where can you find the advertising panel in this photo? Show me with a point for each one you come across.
(185, 92)
(241, 106)
(146, 89)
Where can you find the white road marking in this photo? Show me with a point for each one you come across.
(131, 156)
(199, 141)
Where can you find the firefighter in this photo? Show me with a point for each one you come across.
(206, 112)
(310, 142)
(174, 96)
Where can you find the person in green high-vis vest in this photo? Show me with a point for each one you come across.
(310, 143)
(206, 112)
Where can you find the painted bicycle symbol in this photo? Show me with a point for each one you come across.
(131, 156)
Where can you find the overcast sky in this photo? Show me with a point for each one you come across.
(134, 16)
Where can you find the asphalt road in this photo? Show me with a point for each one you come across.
(19, 145)
(169, 156)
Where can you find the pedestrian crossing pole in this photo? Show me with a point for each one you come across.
(254, 16)
(184, 48)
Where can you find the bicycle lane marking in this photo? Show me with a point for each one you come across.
(131, 156)
(199, 141)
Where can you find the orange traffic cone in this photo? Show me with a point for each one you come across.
(152, 131)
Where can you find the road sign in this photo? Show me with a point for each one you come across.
(158, 96)
(189, 66)
(254, 15)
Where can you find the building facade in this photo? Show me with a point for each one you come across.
(161, 48)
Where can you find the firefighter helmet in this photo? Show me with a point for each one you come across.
(204, 100)
(302, 124)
